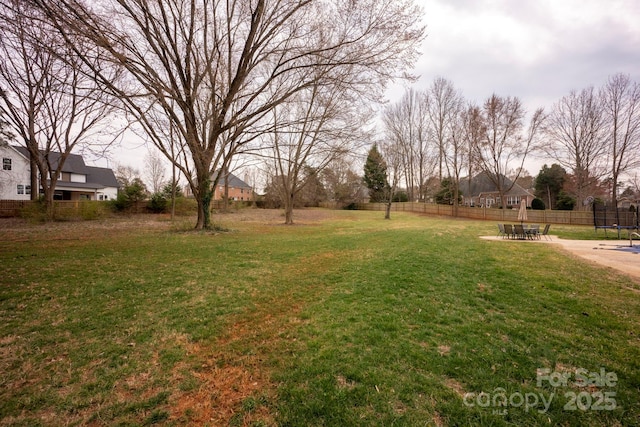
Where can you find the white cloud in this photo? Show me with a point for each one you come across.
(537, 50)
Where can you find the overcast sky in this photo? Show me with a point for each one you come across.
(537, 50)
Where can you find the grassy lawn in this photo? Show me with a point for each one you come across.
(343, 320)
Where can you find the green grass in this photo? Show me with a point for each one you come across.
(348, 320)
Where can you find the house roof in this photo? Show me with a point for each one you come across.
(233, 181)
(73, 164)
(96, 177)
(481, 183)
(103, 176)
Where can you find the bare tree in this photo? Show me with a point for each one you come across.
(504, 141)
(473, 131)
(311, 130)
(576, 133)
(456, 153)
(5, 134)
(621, 98)
(443, 105)
(155, 171)
(407, 123)
(217, 68)
(46, 96)
(127, 175)
(392, 152)
(343, 185)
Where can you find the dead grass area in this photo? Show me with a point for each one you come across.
(455, 386)
(19, 229)
(228, 377)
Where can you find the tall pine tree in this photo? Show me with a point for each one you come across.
(375, 176)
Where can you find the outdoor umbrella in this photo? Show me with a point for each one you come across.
(522, 212)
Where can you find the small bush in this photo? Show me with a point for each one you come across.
(400, 196)
(92, 210)
(157, 203)
(565, 202)
(184, 206)
(35, 212)
(537, 204)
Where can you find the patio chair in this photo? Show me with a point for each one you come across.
(508, 230)
(518, 230)
(501, 231)
(545, 232)
(534, 231)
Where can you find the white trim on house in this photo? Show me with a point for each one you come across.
(15, 177)
(77, 181)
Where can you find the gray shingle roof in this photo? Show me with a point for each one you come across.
(233, 180)
(482, 184)
(96, 177)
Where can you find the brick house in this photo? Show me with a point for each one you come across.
(238, 189)
(483, 192)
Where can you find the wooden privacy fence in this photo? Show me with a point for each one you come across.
(489, 214)
(62, 208)
(12, 208)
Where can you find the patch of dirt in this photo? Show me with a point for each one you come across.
(226, 380)
(455, 386)
(444, 350)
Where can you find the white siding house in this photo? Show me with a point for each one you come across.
(77, 181)
(15, 181)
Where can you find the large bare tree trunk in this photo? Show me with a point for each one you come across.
(215, 69)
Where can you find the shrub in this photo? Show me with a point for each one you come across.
(92, 210)
(157, 203)
(184, 206)
(35, 211)
(537, 204)
(120, 203)
(400, 196)
(565, 202)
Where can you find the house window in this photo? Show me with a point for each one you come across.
(6, 164)
(27, 189)
(20, 189)
(513, 200)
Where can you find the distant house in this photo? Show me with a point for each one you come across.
(77, 181)
(238, 189)
(481, 191)
(629, 202)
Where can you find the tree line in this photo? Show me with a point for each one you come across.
(434, 137)
(292, 85)
(202, 80)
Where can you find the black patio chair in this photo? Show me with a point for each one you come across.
(545, 232)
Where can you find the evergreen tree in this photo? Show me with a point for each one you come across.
(445, 196)
(375, 175)
(549, 184)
